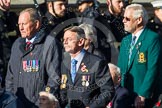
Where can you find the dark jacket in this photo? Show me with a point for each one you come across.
(116, 24)
(56, 25)
(7, 24)
(8, 100)
(121, 98)
(30, 72)
(92, 88)
(156, 25)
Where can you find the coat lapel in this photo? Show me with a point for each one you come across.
(67, 66)
(86, 61)
(137, 47)
(127, 46)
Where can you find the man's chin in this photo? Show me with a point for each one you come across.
(61, 15)
(23, 36)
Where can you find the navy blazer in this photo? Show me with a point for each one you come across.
(121, 98)
(98, 92)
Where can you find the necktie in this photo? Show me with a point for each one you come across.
(27, 45)
(73, 69)
(131, 48)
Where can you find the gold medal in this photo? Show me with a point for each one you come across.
(63, 85)
(63, 81)
(47, 89)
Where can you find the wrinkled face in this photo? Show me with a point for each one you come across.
(59, 8)
(27, 27)
(117, 6)
(82, 7)
(71, 44)
(130, 23)
(44, 102)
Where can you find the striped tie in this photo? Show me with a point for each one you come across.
(28, 45)
(131, 48)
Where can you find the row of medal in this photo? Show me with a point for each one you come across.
(31, 65)
(85, 80)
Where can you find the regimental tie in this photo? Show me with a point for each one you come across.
(131, 48)
(27, 47)
(73, 69)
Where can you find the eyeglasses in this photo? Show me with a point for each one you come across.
(126, 18)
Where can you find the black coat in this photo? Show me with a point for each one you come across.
(30, 72)
(56, 25)
(117, 25)
(156, 25)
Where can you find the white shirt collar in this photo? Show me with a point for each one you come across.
(32, 39)
(79, 58)
(138, 34)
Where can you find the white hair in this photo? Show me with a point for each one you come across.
(51, 97)
(139, 11)
(90, 31)
(112, 66)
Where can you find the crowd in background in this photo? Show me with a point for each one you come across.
(83, 59)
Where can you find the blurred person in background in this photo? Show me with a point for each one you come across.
(91, 38)
(58, 14)
(8, 24)
(89, 13)
(114, 16)
(155, 23)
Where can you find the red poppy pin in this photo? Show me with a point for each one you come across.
(83, 68)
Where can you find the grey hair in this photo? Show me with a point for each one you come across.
(139, 11)
(80, 32)
(50, 96)
(33, 14)
(90, 31)
(112, 66)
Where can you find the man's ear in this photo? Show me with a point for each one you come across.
(49, 4)
(81, 42)
(108, 2)
(38, 23)
(139, 20)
